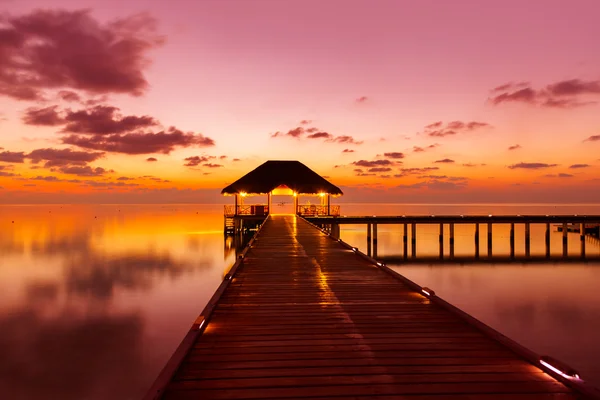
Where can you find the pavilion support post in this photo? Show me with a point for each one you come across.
(527, 239)
(451, 240)
(335, 231)
(369, 240)
(441, 240)
(477, 240)
(374, 240)
(547, 239)
(235, 211)
(413, 239)
(405, 241)
(582, 239)
(328, 204)
(489, 239)
(269, 203)
(296, 204)
(512, 240)
(565, 239)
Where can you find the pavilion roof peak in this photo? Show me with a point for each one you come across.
(275, 173)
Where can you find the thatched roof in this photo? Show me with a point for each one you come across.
(273, 174)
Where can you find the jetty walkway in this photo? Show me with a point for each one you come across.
(305, 316)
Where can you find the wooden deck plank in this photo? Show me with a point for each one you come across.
(305, 317)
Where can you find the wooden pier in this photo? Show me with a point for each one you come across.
(584, 225)
(302, 315)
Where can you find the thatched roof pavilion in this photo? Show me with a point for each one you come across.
(273, 174)
(282, 177)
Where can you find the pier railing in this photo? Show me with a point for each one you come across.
(313, 210)
(251, 209)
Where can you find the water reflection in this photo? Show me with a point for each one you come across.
(94, 299)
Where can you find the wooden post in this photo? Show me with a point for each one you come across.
(565, 240)
(369, 240)
(512, 240)
(547, 237)
(405, 241)
(296, 204)
(328, 204)
(441, 240)
(269, 203)
(413, 239)
(489, 239)
(527, 239)
(582, 239)
(335, 231)
(374, 240)
(477, 240)
(452, 240)
(235, 211)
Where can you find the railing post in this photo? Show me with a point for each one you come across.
(477, 240)
(565, 239)
(512, 240)
(369, 240)
(451, 240)
(413, 239)
(489, 239)
(441, 240)
(405, 241)
(582, 238)
(374, 240)
(547, 239)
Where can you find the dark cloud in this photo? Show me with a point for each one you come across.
(63, 157)
(58, 49)
(222, 157)
(140, 143)
(48, 116)
(394, 155)
(375, 163)
(359, 170)
(594, 138)
(470, 165)
(320, 135)
(210, 165)
(82, 170)
(311, 130)
(577, 166)
(151, 159)
(563, 94)
(414, 170)
(380, 169)
(444, 161)
(104, 120)
(195, 161)
(305, 122)
(418, 149)
(12, 157)
(362, 99)
(295, 133)
(515, 147)
(345, 139)
(366, 174)
(510, 86)
(69, 96)
(524, 165)
(347, 151)
(438, 129)
(236, 159)
(561, 175)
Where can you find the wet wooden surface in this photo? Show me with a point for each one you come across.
(305, 317)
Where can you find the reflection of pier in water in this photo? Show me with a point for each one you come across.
(587, 229)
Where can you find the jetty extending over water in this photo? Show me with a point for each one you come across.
(301, 314)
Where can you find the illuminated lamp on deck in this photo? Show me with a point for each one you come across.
(559, 367)
(428, 292)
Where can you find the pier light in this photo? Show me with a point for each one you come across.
(295, 194)
(560, 368)
(428, 292)
(322, 194)
(354, 249)
(199, 323)
(490, 215)
(243, 194)
(380, 264)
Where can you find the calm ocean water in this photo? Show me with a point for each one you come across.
(94, 299)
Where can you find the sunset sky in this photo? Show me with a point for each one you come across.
(394, 101)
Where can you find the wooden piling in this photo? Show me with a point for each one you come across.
(512, 240)
(413, 239)
(477, 240)
(489, 239)
(565, 240)
(451, 240)
(369, 240)
(441, 240)
(527, 239)
(374, 240)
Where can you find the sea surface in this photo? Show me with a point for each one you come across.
(94, 299)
